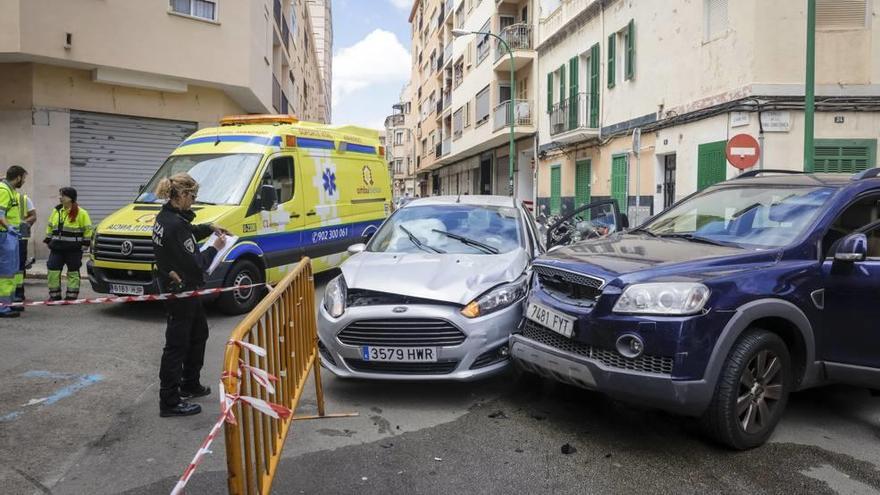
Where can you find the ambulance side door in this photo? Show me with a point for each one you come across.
(281, 227)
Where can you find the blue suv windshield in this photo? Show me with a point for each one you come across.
(756, 217)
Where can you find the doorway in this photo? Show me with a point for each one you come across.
(668, 181)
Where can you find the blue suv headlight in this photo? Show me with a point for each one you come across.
(665, 298)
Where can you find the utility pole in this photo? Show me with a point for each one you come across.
(810, 88)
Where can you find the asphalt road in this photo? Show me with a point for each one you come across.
(79, 414)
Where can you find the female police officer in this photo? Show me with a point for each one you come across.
(181, 266)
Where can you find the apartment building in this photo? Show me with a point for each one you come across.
(96, 94)
(689, 75)
(401, 145)
(321, 17)
(427, 27)
(472, 101)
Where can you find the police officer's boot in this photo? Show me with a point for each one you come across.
(182, 408)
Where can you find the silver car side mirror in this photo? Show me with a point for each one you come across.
(356, 248)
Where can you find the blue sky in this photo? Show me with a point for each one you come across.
(371, 60)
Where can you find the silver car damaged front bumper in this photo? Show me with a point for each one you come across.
(482, 353)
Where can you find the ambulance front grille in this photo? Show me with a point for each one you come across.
(124, 248)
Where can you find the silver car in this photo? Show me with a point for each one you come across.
(435, 293)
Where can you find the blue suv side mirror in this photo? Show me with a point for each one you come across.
(853, 247)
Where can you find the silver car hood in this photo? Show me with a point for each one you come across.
(455, 278)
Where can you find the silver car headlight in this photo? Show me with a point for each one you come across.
(667, 298)
(334, 296)
(497, 299)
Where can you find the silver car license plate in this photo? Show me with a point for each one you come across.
(129, 290)
(553, 320)
(400, 354)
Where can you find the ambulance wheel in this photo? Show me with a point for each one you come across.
(241, 301)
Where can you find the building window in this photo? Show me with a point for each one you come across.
(467, 114)
(203, 9)
(398, 166)
(842, 14)
(457, 123)
(398, 138)
(844, 156)
(482, 106)
(483, 43)
(714, 19)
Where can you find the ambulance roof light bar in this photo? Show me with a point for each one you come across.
(258, 119)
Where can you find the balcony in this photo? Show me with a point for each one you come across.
(439, 108)
(438, 150)
(445, 147)
(447, 52)
(570, 120)
(447, 100)
(522, 114)
(395, 120)
(519, 38)
(564, 14)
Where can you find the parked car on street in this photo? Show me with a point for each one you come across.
(720, 306)
(434, 294)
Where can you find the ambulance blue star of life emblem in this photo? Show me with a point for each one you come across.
(329, 179)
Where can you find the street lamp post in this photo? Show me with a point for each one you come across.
(457, 33)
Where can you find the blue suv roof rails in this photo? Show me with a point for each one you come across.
(755, 173)
(867, 174)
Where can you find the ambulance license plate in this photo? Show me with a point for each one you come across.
(400, 354)
(128, 290)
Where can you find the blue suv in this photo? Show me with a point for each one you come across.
(720, 306)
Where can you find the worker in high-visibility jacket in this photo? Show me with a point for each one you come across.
(9, 235)
(68, 232)
(28, 216)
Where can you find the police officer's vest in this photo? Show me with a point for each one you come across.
(12, 208)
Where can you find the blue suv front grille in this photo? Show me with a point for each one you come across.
(646, 364)
(567, 284)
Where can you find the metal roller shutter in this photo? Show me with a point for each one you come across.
(112, 155)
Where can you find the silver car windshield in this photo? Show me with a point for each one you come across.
(454, 229)
(757, 217)
(223, 179)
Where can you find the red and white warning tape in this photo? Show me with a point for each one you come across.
(270, 409)
(148, 297)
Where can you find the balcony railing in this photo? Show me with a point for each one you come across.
(438, 150)
(276, 94)
(447, 52)
(522, 114)
(570, 114)
(447, 100)
(446, 147)
(517, 37)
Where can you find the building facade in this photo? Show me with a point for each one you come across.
(95, 95)
(690, 75)
(401, 145)
(321, 17)
(471, 98)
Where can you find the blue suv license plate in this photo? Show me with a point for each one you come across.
(551, 319)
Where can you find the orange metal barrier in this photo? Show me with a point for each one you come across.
(284, 323)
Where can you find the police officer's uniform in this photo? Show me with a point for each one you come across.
(25, 207)
(175, 245)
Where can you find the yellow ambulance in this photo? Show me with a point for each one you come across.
(286, 188)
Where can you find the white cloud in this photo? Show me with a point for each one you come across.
(402, 4)
(378, 59)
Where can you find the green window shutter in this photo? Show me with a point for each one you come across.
(573, 93)
(555, 189)
(582, 183)
(711, 164)
(549, 92)
(844, 156)
(630, 50)
(562, 83)
(611, 40)
(619, 182)
(594, 86)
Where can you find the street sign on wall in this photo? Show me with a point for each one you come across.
(743, 151)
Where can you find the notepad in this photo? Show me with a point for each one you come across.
(222, 252)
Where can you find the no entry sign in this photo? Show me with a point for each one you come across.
(743, 151)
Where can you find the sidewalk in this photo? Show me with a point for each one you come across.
(39, 270)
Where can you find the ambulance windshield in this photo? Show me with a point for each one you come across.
(223, 179)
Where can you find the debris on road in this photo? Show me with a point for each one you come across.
(498, 415)
(569, 449)
(438, 459)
